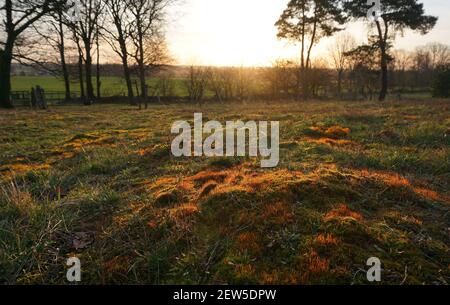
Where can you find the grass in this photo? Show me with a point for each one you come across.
(355, 180)
(111, 86)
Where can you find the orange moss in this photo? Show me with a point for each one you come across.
(316, 264)
(11, 170)
(164, 182)
(343, 212)
(184, 211)
(332, 132)
(429, 194)
(258, 182)
(277, 214)
(395, 180)
(224, 189)
(326, 240)
(337, 131)
(249, 241)
(244, 271)
(208, 188)
(206, 176)
(330, 141)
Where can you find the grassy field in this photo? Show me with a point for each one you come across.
(355, 180)
(111, 86)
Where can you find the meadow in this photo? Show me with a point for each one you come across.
(110, 85)
(355, 180)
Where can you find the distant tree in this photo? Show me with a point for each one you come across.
(343, 44)
(85, 32)
(441, 85)
(117, 33)
(320, 78)
(223, 82)
(17, 16)
(363, 62)
(434, 55)
(309, 21)
(281, 78)
(396, 16)
(147, 36)
(401, 68)
(196, 83)
(48, 49)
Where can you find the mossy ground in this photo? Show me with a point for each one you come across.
(355, 180)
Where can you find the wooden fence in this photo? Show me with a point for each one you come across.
(23, 98)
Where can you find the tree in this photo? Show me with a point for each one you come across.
(85, 32)
(363, 62)
(342, 45)
(48, 51)
(196, 83)
(441, 85)
(309, 20)
(17, 17)
(281, 78)
(147, 36)
(401, 66)
(118, 37)
(395, 17)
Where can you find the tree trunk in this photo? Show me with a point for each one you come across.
(124, 56)
(384, 60)
(99, 83)
(88, 71)
(339, 88)
(384, 75)
(142, 68)
(80, 74)
(127, 75)
(5, 75)
(65, 71)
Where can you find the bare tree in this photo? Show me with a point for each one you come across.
(196, 83)
(344, 43)
(281, 78)
(17, 17)
(48, 51)
(85, 32)
(118, 37)
(309, 21)
(148, 17)
(400, 66)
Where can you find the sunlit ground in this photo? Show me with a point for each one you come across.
(355, 180)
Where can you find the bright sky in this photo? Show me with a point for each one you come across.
(242, 32)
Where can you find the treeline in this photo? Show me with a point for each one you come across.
(347, 72)
(70, 38)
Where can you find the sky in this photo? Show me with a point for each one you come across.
(242, 32)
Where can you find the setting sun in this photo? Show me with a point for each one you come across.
(242, 32)
(233, 32)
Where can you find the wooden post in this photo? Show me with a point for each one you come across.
(146, 97)
(39, 94)
(33, 98)
(138, 95)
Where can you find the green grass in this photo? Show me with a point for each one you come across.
(111, 86)
(355, 180)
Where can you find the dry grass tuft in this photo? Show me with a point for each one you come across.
(343, 212)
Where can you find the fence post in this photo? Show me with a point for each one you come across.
(33, 98)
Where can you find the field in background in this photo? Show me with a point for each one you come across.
(356, 180)
(115, 86)
(111, 86)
